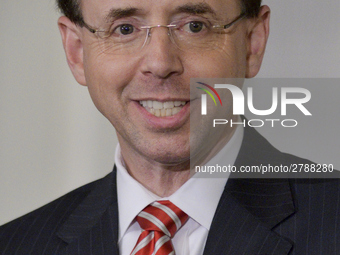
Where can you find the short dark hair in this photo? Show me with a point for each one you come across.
(72, 9)
(251, 7)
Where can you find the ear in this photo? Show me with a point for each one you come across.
(72, 42)
(257, 40)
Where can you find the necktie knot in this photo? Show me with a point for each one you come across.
(162, 216)
(160, 221)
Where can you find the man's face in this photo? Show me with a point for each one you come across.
(159, 72)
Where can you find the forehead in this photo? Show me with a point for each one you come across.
(99, 9)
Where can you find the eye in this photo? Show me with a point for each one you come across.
(194, 26)
(124, 29)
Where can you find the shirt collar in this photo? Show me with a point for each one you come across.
(198, 197)
(133, 197)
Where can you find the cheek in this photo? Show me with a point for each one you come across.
(108, 73)
(234, 57)
(107, 78)
(104, 69)
(223, 62)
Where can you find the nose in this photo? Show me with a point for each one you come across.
(161, 57)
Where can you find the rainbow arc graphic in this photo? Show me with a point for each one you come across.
(209, 93)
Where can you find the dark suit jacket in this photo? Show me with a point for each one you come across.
(254, 216)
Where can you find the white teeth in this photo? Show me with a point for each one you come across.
(177, 103)
(157, 105)
(169, 104)
(160, 105)
(161, 109)
(163, 112)
(168, 112)
(176, 110)
(157, 113)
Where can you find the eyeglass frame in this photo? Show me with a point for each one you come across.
(238, 18)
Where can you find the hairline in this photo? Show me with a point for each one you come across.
(76, 15)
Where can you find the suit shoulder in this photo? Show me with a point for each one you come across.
(42, 223)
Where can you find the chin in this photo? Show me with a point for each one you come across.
(171, 160)
(172, 157)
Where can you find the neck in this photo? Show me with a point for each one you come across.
(162, 180)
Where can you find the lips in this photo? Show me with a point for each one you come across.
(163, 109)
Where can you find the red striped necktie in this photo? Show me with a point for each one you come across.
(159, 221)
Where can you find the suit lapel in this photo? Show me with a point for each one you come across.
(270, 200)
(96, 216)
(236, 231)
(243, 222)
(249, 209)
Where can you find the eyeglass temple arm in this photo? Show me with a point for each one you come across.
(93, 31)
(241, 16)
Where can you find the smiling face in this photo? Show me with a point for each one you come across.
(145, 94)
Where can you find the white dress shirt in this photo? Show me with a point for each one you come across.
(198, 198)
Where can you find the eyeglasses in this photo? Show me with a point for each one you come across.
(128, 36)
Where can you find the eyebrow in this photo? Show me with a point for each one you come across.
(116, 13)
(189, 8)
(197, 8)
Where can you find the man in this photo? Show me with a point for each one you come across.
(137, 60)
